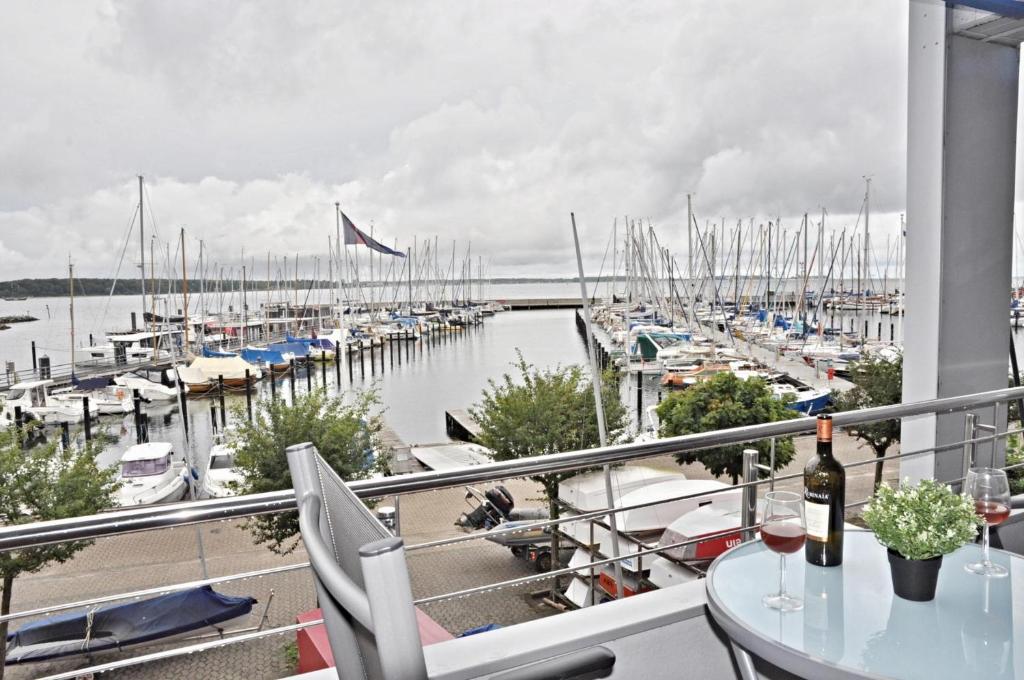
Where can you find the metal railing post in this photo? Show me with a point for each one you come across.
(749, 518)
(970, 421)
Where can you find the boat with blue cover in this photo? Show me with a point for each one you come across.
(112, 628)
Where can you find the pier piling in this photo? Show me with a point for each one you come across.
(309, 376)
(373, 360)
(248, 395)
(87, 419)
(349, 353)
(223, 411)
(391, 348)
(292, 381)
(382, 356)
(213, 418)
(323, 373)
(273, 385)
(65, 434)
(183, 402)
(362, 362)
(34, 367)
(338, 349)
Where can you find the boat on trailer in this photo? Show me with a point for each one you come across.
(188, 613)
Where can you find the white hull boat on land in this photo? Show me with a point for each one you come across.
(148, 475)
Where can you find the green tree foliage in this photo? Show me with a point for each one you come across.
(720, 403)
(877, 381)
(535, 412)
(345, 434)
(45, 483)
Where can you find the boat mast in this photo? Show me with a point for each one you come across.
(71, 309)
(184, 290)
(337, 238)
(142, 251)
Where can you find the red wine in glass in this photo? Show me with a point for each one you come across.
(783, 538)
(994, 513)
(990, 490)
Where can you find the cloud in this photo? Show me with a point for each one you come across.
(475, 123)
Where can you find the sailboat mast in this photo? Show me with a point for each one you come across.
(71, 310)
(142, 251)
(867, 220)
(184, 290)
(337, 240)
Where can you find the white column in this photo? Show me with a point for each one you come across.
(961, 145)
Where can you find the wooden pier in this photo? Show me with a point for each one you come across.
(460, 425)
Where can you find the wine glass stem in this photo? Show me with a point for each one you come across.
(782, 574)
(984, 545)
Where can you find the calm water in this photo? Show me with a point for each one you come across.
(414, 394)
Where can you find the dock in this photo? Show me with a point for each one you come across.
(542, 303)
(460, 425)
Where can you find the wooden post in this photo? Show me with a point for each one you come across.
(213, 418)
(248, 395)
(223, 411)
(87, 422)
(373, 359)
(362, 362)
(292, 381)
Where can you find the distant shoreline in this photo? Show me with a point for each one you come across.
(92, 287)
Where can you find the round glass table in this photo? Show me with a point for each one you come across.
(851, 624)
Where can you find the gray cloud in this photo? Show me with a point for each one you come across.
(469, 121)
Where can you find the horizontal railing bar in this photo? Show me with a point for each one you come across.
(159, 590)
(583, 567)
(178, 514)
(180, 651)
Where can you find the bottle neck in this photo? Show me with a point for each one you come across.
(825, 449)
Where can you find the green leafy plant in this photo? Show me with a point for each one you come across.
(546, 411)
(343, 431)
(1015, 456)
(44, 483)
(720, 403)
(923, 521)
(877, 381)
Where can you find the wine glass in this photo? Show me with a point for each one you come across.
(783, 531)
(991, 493)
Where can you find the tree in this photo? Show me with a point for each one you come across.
(344, 433)
(537, 412)
(720, 403)
(877, 381)
(44, 483)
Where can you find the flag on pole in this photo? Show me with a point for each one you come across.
(353, 236)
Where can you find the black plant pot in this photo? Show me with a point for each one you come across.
(914, 579)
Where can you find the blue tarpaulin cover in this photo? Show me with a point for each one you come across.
(255, 355)
(124, 624)
(207, 352)
(299, 349)
(89, 383)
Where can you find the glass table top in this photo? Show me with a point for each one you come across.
(852, 622)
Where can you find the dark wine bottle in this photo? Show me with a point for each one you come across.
(824, 501)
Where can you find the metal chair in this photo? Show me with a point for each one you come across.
(360, 575)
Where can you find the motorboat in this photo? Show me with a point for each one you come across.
(149, 475)
(136, 345)
(149, 390)
(193, 612)
(36, 403)
(103, 401)
(221, 478)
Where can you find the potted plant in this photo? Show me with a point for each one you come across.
(919, 524)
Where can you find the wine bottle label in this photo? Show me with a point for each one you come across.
(816, 515)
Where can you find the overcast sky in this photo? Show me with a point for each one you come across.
(484, 122)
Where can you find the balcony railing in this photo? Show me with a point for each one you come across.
(190, 513)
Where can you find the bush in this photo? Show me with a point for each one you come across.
(923, 521)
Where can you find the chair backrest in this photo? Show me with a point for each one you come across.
(360, 575)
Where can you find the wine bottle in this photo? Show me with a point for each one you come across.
(824, 501)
